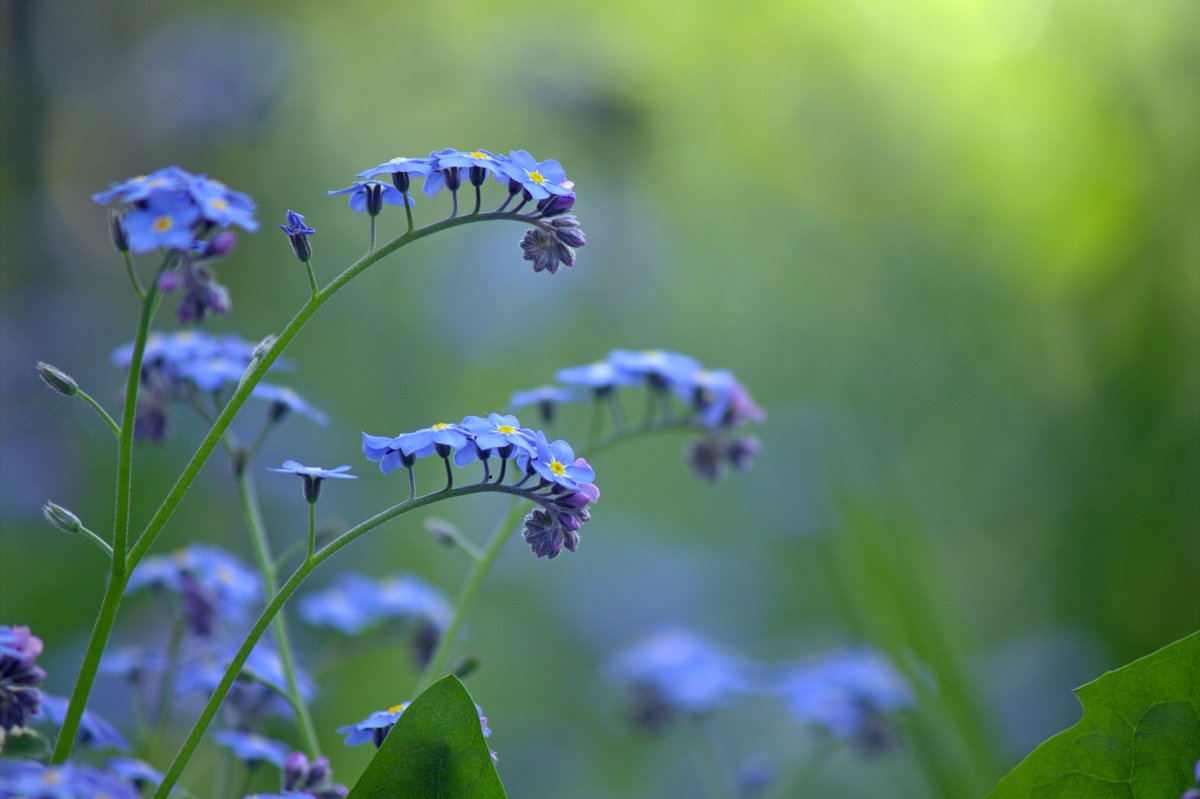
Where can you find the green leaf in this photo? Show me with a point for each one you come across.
(435, 750)
(23, 742)
(1139, 737)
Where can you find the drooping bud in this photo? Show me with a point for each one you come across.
(61, 518)
(57, 379)
(294, 773)
(218, 246)
(401, 181)
(477, 175)
(442, 531)
(116, 230)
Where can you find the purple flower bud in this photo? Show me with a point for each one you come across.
(556, 204)
(116, 229)
(318, 772)
(219, 245)
(169, 281)
(741, 452)
(295, 771)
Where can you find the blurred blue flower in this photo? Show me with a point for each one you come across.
(252, 748)
(255, 693)
(354, 603)
(369, 195)
(140, 773)
(375, 727)
(222, 579)
(166, 221)
(600, 376)
(28, 779)
(539, 178)
(720, 399)
(849, 694)
(221, 205)
(546, 398)
(284, 400)
(136, 189)
(132, 663)
(676, 672)
(94, 731)
(661, 368)
(19, 676)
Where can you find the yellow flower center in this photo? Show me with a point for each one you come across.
(154, 184)
(51, 778)
(225, 575)
(506, 429)
(536, 177)
(439, 426)
(218, 204)
(397, 708)
(477, 154)
(655, 355)
(558, 468)
(703, 376)
(163, 224)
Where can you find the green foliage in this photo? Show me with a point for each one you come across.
(435, 751)
(1139, 737)
(23, 743)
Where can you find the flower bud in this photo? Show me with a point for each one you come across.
(295, 771)
(61, 518)
(477, 175)
(57, 379)
(116, 229)
(556, 204)
(374, 192)
(442, 531)
(453, 178)
(219, 245)
(401, 181)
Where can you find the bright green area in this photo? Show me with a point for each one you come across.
(436, 750)
(1139, 736)
(952, 247)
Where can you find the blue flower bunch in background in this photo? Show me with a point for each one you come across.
(223, 649)
(852, 696)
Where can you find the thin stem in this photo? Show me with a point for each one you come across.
(478, 200)
(162, 708)
(289, 588)
(119, 569)
(441, 655)
(453, 203)
(103, 414)
(312, 529)
(371, 245)
(796, 779)
(97, 540)
(133, 277)
(248, 496)
(633, 431)
(407, 209)
(449, 474)
(412, 483)
(717, 760)
(312, 277)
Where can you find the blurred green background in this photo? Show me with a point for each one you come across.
(952, 247)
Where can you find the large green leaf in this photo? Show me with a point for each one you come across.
(436, 750)
(1139, 737)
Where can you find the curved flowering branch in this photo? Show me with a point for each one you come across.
(175, 211)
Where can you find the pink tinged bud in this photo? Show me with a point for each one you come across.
(169, 281)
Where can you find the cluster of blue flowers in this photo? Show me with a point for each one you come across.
(563, 486)
(23, 705)
(19, 676)
(850, 695)
(193, 367)
(549, 244)
(182, 214)
(680, 392)
(300, 778)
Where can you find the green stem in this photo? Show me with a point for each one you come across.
(97, 540)
(284, 593)
(119, 570)
(633, 431)
(133, 277)
(479, 570)
(312, 530)
(716, 762)
(167, 687)
(248, 496)
(103, 414)
(371, 245)
(312, 277)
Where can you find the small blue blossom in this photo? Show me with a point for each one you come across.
(677, 672)
(441, 437)
(298, 232)
(849, 694)
(478, 163)
(284, 400)
(313, 476)
(94, 731)
(555, 462)
(601, 376)
(166, 222)
(132, 663)
(441, 178)
(354, 603)
(369, 196)
(19, 675)
(539, 178)
(401, 171)
(385, 451)
(546, 398)
(499, 434)
(720, 400)
(28, 779)
(252, 748)
(375, 727)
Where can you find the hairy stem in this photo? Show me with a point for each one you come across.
(103, 414)
(118, 572)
